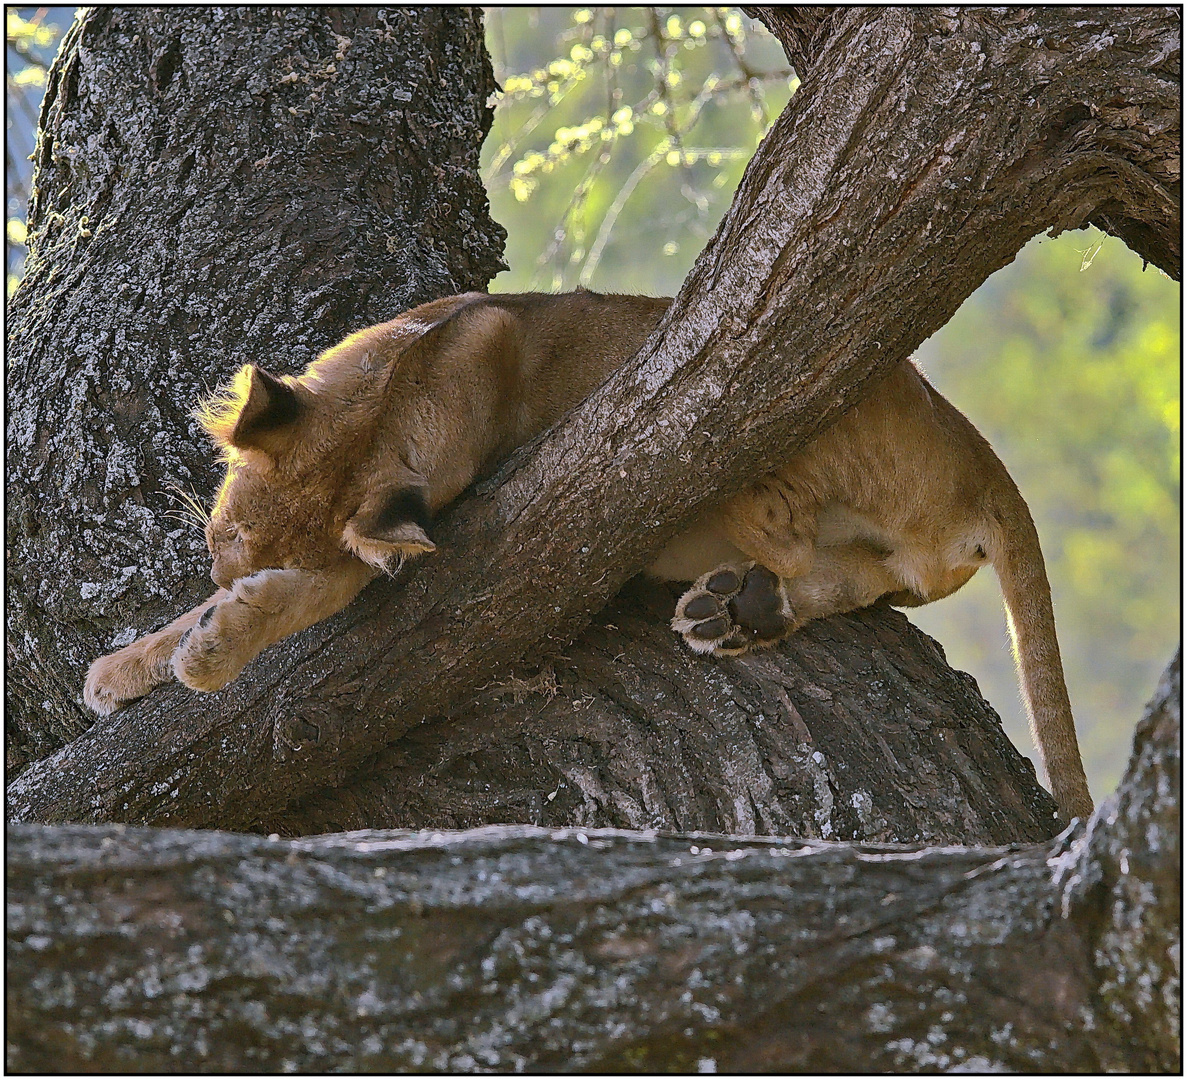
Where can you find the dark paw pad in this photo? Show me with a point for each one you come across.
(758, 607)
(711, 629)
(732, 610)
(207, 615)
(724, 582)
(702, 606)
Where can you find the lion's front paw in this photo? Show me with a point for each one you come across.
(206, 658)
(733, 609)
(120, 677)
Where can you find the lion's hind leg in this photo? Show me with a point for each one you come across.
(844, 578)
(734, 609)
(740, 606)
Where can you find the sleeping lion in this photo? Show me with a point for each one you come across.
(335, 476)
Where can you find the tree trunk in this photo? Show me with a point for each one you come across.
(515, 949)
(213, 186)
(870, 212)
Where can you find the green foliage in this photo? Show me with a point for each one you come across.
(1068, 362)
(621, 129)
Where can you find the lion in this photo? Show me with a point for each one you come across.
(336, 475)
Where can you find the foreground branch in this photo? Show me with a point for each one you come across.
(512, 949)
(834, 262)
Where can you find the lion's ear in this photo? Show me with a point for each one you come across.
(390, 526)
(257, 412)
(271, 405)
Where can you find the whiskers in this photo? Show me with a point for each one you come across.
(189, 509)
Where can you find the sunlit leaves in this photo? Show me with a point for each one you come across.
(33, 41)
(20, 31)
(29, 76)
(629, 93)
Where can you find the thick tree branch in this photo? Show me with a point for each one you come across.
(519, 949)
(861, 732)
(925, 151)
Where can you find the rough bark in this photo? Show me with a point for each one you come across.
(213, 186)
(923, 150)
(1130, 130)
(513, 949)
(861, 732)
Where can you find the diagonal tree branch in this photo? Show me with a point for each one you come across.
(926, 149)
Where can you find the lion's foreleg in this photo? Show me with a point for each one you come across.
(259, 611)
(120, 677)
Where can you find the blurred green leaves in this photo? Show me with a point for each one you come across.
(619, 128)
(29, 36)
(31, 39)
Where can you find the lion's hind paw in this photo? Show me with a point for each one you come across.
(731, 610)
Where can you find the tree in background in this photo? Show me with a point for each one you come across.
(616, 145)
(248, 185)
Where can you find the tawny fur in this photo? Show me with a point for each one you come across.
(333, 477)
